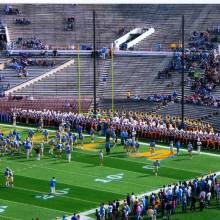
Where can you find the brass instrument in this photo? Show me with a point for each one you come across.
(104, 112)
(136, 114)
(174, 118)
(167, 117)
(131, 113)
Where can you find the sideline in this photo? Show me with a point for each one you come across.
(84, 215)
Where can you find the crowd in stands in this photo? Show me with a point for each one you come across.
(146, 126)
(22, 21)
(69, 24)
(21, 63)
(206, 100)
(203, 69)
(159, 98)
(32, 43)
(203, 75)
(185, 196)
(9, 10)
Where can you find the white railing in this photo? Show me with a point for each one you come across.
(7, 36)
(38, 78)
(143, 34)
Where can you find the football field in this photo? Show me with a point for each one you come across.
(83, 184)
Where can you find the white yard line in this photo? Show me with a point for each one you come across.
(62, 196)
(7, 217)
(26, 204)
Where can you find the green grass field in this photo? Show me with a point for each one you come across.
(83, 184)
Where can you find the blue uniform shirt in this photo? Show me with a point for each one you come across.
(52, 182)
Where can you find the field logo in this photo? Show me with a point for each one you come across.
(160, 154)
(110, 178)
(60, 192)
(2, 208)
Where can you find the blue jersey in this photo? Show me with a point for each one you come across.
(107, 145)
(51, 142)
(59, 146)
(70, 134)
(91, 132)
(10, 173)
(152, 144)
(81, 137)
(30, 133)
(63, 139)
(6, 173)
(79, 129)
(27, 145)
(45, 133)
(156, 163)
(190, 147)
(178, 145)
(57, 136)
(18, 137)
(52, 182)
(14, 132)
(68, 149)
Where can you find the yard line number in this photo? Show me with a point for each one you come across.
(50, 196)
(2, 208)
(110, 178)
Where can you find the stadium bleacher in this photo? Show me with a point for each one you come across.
(146, 89)
(47, 24)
